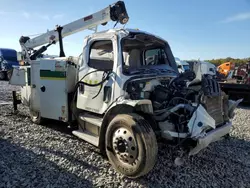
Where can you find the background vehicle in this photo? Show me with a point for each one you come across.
(8, 59)
(225, 69)
(206, 67)
(117, 99)
(183, 66)
(235, 80)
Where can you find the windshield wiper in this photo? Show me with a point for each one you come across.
(168, 70)
(148, 71)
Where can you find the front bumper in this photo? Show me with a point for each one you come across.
(212, 136)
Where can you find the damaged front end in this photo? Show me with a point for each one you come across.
(196, 114)
(213, 123)
(190, 112)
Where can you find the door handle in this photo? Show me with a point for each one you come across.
(107, 94)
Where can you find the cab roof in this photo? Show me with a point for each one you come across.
(128, 30)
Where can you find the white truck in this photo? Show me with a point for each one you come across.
(183, 66)
(204, 67)
(114, 100)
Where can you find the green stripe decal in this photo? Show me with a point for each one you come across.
(52, 74)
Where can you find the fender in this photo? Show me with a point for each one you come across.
(126, 106)
(138, 105)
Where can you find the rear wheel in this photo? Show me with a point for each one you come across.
(36, 117)
(9, 73)
(131, 145)
(2, 75)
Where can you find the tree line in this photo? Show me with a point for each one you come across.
(237, 62)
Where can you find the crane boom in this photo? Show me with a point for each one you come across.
(115, 12)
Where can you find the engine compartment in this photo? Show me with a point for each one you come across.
(176, 99)
(162, 91)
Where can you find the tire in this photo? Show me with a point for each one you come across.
(227, 136)
(36, 117)
(131, 145)
(8, 75)
(2, 75)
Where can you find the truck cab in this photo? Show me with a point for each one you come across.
(8, 59)
(125, 54)
(205, 67)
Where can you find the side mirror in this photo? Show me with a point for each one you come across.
(179, 66)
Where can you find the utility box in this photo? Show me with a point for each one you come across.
(47, 89)
(57, 80)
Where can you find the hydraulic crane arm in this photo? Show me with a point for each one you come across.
(115, 12)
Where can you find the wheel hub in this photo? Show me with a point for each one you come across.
(125, 146)
(121, 146)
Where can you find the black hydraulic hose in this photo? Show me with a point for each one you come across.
(92, 85)
(97, 84)
(103, 78)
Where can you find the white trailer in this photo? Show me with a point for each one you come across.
(114, 99)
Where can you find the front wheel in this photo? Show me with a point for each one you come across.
(131, 145)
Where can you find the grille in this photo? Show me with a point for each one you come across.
(213, 100)
(211, 87)
(214, 107)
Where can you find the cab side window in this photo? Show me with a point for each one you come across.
(101, 55)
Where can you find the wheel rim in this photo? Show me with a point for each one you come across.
(125, 146)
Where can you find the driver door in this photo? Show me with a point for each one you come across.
(99, 57)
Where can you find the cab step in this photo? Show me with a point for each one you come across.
(94, 120)
(90, 123)
(92, 139)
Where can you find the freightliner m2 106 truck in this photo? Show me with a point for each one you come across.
(115, 98)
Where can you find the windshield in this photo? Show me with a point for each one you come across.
(143, 52)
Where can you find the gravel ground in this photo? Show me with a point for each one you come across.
(49, 156)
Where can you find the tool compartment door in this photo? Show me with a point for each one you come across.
(18, 76)
(53, 95)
